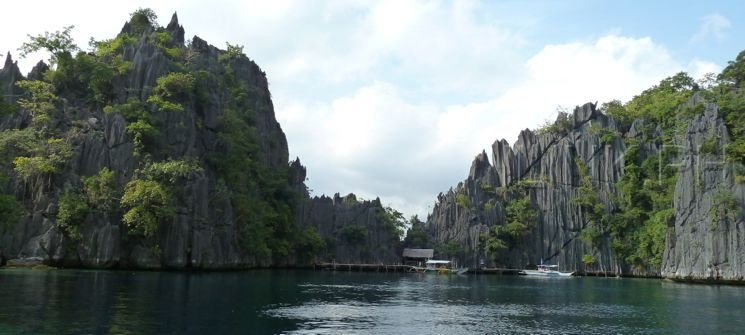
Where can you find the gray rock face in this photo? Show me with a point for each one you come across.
(9, 74)
(545, 164)
(707, 239)
(202, 234)
(704, 241)
(352, 230)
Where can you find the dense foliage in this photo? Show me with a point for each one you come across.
(520, 219)
(416, 236)
(71, 213)
(637, 227)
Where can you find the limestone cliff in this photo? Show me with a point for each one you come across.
(706, 241)
(546, 165)
(232, 199)
(354, 231)
(704, 237)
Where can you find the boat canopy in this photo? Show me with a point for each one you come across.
(437, 262)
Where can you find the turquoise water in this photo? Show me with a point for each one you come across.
(274, 301)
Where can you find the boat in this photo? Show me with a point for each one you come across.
(545, 270)
(440, 267)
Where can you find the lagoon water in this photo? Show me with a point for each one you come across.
(308, 302)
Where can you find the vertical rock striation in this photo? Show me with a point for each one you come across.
(203, 232)
(546, 165)
(706, 241)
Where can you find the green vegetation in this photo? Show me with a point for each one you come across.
(637, 229)
(6, 107)
(521, 217)
(142, 19)
(141, 132)
(170, 89)
(724, 208)
(561, 126)
(10, 212)
(40, 103)
(588, 199)
(231, 52)
(112, 48)
(643, 208)
(171, 171)
(263, 202)
(101, 191)
(416, 237)
(392, 219)
(454, 250)
(71, 213)
(309, 244)
(729, 94)
(59, 44)
(659, 105)
(461, 198)
(352, 234)
(48, 158)
(589, 260)
(147, 203)
(734, 73)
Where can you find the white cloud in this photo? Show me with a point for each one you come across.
(712, 26)
(389, 98)
(377, 142)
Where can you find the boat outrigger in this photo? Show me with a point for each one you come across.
(440, 267)
(545, 270)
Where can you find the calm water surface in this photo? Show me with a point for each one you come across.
(272, 301)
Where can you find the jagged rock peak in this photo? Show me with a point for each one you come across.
(176, 30)
(480, 166)
(8, 61)
(503, 158)
(199, 44)
(37, 72)
(173, 24)
(10, 73)
(585, 113)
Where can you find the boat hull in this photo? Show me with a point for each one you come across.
(539, 273)
(442, 271)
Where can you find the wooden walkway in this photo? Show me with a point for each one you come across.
(401, 268)
(363, 267)
(495, 271)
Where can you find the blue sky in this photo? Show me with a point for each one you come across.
(393, 99)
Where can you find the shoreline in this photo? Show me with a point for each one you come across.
(322, 267)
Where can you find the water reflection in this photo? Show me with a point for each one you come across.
(67, 301)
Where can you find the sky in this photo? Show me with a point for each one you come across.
(394, 99)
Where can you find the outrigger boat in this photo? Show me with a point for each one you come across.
(440, 267)
(545, 270)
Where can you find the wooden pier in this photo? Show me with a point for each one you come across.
(401, 268)
(495, 271)
(364, 267)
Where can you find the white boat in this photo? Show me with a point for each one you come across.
(440, 267)
(545, 270)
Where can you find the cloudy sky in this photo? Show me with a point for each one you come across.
(393, 99)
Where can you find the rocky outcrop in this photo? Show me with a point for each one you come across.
(706, 241)
(203, 233)
(546, 166)
(354, 231)
(9, 74)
